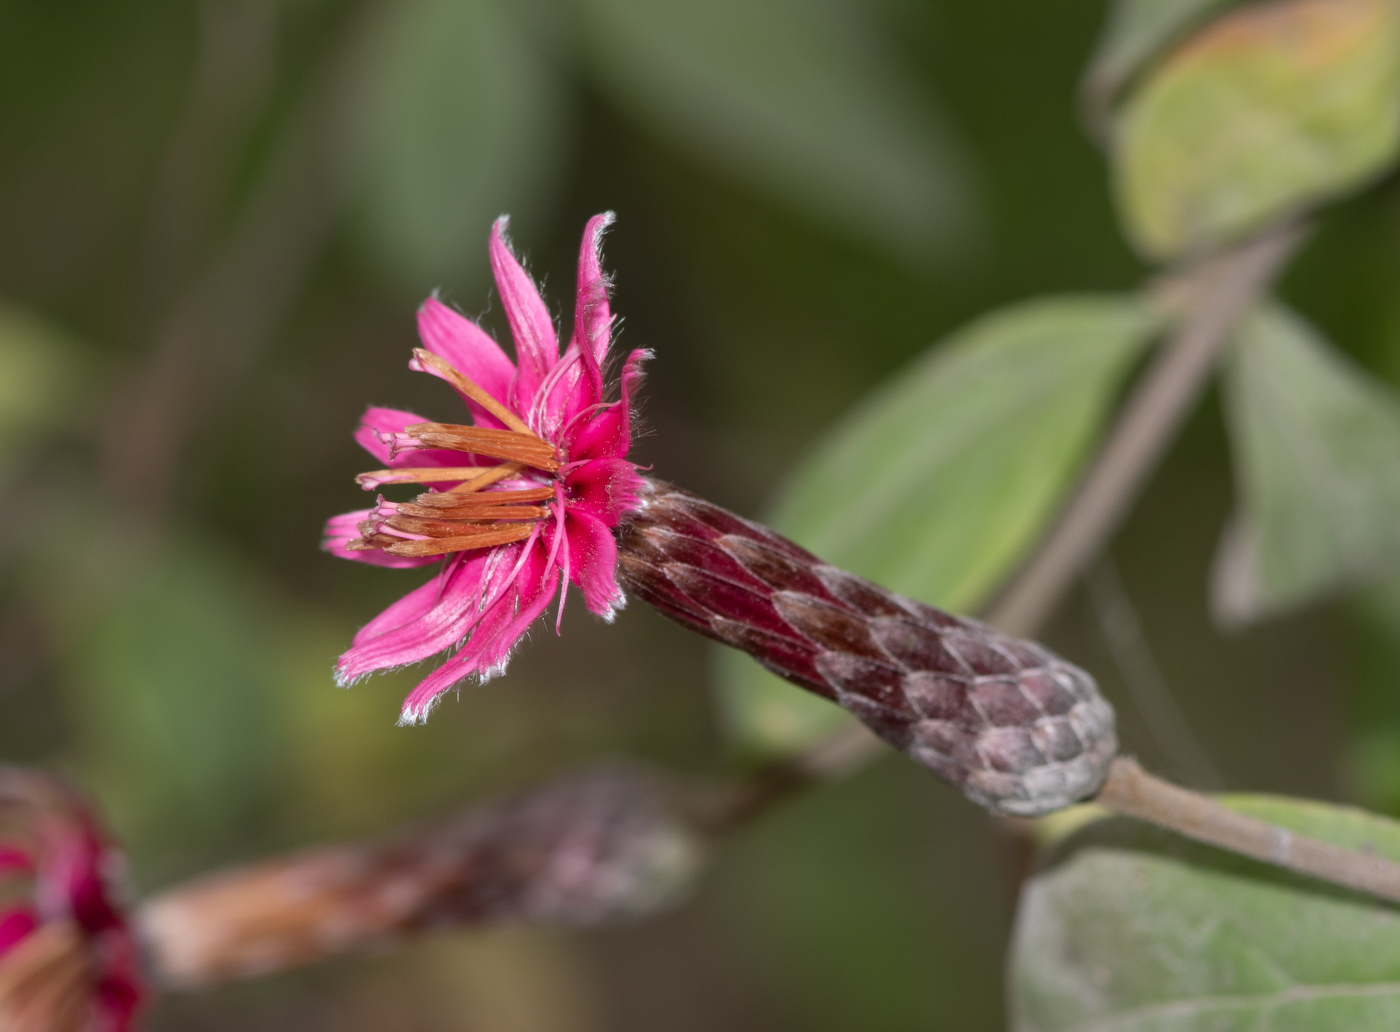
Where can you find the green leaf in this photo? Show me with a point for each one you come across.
(797, 97)
(1133, 929)
(177, 685)
(1271, 110)
(461, 120)
(938, 484)
(1372, 758)
(1316, 443)
(866, 907)
(1136, 32)
(41, 373)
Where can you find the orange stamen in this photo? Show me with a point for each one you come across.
(487, 477)
(455, 500)
(432, 475)
(471, 390)
(485, 537)
(411, 524)
(498, 444)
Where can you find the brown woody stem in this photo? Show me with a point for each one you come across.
(1132, 791)
(1219, 291)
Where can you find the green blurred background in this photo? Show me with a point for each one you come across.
(217, 220)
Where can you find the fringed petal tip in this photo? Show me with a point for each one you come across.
(616, 606)
(347, 681)
(416, 711)
(416, 715)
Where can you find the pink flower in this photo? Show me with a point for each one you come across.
(65, 948)
(519, 503)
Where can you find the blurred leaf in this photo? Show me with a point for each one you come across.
(798, 97)
(1132, 927)
(1271, 109)
(1136, 32)
(462, 120)
(938, 484)
(869, 906)
(1316, 442)
(1372, 759)
(177, 704)
(41, 371)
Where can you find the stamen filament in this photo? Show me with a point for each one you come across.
(498, 444)
(454, 528)
(487, 477)
(471, 390)
(483, 538)
(429, 475)
(473, 512)
(454, 499)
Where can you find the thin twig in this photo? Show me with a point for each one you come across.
(1130, 790)
(1118, 620)
(235, 301)
(1219, 291)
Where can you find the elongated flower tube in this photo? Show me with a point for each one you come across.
(1018, 729)
(518, 504)
(588, 849)
(67, 961)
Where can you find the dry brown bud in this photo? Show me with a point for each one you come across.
(584, 850)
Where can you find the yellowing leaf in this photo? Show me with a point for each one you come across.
(1270, 110)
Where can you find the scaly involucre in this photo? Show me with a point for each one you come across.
(1017, 728)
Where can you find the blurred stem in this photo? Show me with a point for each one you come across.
(236, 300)
(1131, 791)
(1122, 630)
(1212, 295)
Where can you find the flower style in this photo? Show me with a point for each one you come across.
(518, 503)
(67, 958)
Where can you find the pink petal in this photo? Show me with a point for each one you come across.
(16, 924)
(118, 990)
(592, 315)
(378, 423)
(382, 421)
(608, 435)
(426, 621)
(345, 528)
(593, 563)
(471, 351)
(605, 489)
(536, 346)
(499, 630)
(415, 604)
(565, 391)
(13, 859)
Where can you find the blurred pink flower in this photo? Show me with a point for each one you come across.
(67, 956)
(519, 503)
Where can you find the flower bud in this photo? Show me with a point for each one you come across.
(67, 960)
